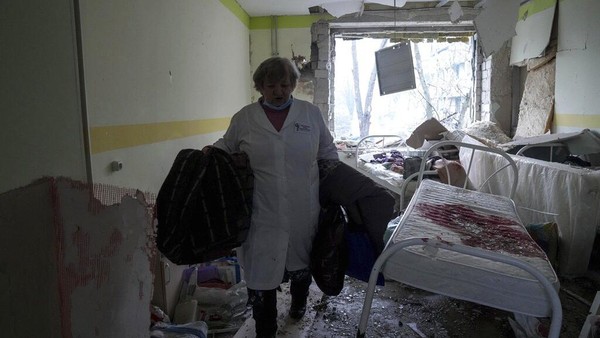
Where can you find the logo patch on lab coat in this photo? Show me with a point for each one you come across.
(301, 128)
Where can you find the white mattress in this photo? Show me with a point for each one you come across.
(389, 179)
(474, 219)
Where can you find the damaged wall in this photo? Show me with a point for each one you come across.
(72, 267)
(496, 89)
(495, 28)
(575, 94)
(537, 104)
(534, 51)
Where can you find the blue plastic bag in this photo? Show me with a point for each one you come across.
(361, 255)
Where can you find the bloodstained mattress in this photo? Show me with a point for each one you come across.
(470, 218)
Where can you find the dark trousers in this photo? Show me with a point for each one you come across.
(264, 302)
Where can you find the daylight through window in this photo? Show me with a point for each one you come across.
(444, 88)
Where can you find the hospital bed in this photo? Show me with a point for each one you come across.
(570, 194)
(363, 157)
(469, 245)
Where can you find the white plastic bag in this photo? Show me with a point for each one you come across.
(190, 330)
(526, 326)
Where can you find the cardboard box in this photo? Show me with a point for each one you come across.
(431, 129)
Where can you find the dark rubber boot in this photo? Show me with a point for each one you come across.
(264, 312)
(299, 285)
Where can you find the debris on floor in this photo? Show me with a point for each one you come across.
(402, 311)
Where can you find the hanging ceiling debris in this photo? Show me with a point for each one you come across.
(416, 24)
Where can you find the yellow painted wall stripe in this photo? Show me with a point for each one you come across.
(288, 21)
(534, 6)
(577, 120)
(123, 136)
(237, 10)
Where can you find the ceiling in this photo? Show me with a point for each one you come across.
(433, 19)
(300, 7)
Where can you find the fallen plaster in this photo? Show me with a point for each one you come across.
(537, 104)
(532, 36)
(399, 309)
(455, 12)
(496, 24)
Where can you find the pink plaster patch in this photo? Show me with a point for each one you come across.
(92, 266)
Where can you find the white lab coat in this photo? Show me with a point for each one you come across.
(286, 187)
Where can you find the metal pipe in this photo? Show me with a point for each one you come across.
(274, 47)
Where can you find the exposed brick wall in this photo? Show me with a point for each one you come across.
(500, 101)
(485, 87)
(321, 49)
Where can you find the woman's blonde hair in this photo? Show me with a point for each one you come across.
(274, 69)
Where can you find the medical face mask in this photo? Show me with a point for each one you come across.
(278, 108)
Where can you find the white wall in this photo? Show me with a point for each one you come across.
(145, 166)
(577, 72)
(151, 63)
(40, 113)
(147, 65)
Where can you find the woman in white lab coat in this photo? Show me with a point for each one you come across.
(283, 138)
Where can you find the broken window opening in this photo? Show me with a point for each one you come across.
(444, 86)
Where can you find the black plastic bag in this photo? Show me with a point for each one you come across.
(329, 255)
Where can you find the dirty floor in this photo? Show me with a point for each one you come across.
(402, 311)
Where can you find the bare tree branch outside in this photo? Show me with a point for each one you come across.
(444, 85)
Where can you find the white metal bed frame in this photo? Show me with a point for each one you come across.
(391, 248)
(437, 244)
(543, 145)
(366, 138)
(475, 147)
